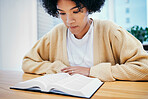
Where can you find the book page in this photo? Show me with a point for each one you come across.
(79, 85)
(75, 82)
(51, 78)
(41, 82)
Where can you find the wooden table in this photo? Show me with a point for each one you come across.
(114, 90)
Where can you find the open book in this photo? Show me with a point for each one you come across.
(62, 83)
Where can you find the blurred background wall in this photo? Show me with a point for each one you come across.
(18, 31)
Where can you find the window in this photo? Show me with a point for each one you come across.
(127, 20)
(133, 11)
(126, 1)
(127, 11)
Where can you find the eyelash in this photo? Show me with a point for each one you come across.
(62, 13)
(75, 12)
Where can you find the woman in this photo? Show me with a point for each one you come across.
(85, 46)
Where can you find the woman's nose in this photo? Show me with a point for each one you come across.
(70, 19)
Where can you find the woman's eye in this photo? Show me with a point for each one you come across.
(76, 11)
(62, 13)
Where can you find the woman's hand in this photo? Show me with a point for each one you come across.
(76, 70)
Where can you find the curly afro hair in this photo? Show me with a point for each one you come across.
(91, 5)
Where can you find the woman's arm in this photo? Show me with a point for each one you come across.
(132, 60)
(37, 59)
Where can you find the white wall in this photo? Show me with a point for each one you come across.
(111, 9)
(18, 31)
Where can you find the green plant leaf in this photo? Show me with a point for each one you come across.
(139, 32)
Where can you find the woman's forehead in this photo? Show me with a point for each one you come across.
(66, 4)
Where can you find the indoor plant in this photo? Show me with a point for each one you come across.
(140, 33)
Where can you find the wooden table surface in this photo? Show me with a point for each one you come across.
(113, 90)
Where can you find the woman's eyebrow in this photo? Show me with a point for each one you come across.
(70, 9)
(74, 7)
(59, 9)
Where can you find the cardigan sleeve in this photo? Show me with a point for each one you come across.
(37, 59)
(131, 59)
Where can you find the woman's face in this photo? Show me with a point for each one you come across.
(77, 21)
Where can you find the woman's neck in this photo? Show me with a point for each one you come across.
(81, 35)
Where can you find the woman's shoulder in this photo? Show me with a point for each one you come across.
(110, 28)
(105, 23)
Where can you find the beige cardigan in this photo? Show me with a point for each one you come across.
(117, 54)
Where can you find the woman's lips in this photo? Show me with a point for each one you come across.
(73, 27)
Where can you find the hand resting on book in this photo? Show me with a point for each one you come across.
(76, 70)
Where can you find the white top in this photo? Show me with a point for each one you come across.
(80, 51)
